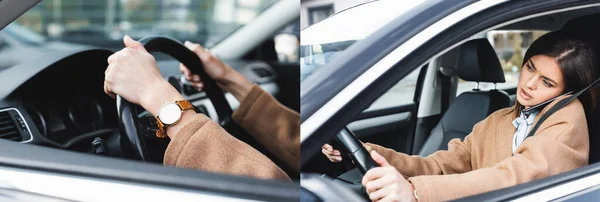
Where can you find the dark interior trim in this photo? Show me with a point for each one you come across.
(423, 129)
(420, 82)
(386, 111)
(11, 10)
(510, 91)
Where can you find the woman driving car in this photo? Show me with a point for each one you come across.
(196, 141)
(497, 153)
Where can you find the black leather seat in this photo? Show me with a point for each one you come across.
(477, 61)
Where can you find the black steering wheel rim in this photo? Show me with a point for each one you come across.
(355, 150)
(132, 139)
(359, 155)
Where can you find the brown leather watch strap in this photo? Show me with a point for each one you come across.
(184, 104)
(162, 129)
(160, 133)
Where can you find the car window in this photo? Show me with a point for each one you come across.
(400, 94)
(323, 41)
(104, 23)
(510, 47)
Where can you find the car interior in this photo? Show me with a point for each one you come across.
(476, 62)
(437, 113)
(57, 101)
(54, 102)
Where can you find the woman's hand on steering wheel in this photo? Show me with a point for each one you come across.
(134, 79)
(385, 183)
(148, 89)
(225, 76)
(332, 154)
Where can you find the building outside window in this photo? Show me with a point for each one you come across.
(313, 11)
(316, 14)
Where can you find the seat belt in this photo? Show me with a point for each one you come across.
(445, 91)
(558, 106)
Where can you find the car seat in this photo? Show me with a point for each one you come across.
(477, 62)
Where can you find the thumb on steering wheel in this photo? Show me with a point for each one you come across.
(130, 43)
(379, 159)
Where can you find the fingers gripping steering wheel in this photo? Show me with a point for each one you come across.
(132, 139)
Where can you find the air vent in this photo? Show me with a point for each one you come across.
(11, 125)
(262, 72)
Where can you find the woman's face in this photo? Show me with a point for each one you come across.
(540, 80)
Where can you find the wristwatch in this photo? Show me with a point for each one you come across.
(170, 114)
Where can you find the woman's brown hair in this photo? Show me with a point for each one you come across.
(577, 62)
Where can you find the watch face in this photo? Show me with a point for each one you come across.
(169, 113)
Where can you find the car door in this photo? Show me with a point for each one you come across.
(581, 184)
(83, 177)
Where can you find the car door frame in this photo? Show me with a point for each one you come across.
(80, 175)
(571, 184)
(399, 117)
(325, 98)
(455, 34)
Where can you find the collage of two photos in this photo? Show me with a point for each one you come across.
(299, 100)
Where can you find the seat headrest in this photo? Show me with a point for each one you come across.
(477, 61)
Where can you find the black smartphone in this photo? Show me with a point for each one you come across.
(528, 110)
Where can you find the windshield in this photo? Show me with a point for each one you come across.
(323, 41)
(23, 34)
(103, 23)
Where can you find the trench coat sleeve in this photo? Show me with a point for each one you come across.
(561, 144)
(202, 144)
(271, 124)
(457, 159)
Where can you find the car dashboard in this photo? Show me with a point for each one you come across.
(55, 98)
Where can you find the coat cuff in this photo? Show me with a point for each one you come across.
(240, 113)
(182, 136)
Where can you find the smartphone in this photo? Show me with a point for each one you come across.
(528, 110)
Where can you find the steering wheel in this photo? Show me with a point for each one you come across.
(355, 150)
(352, 146)
(132, 139)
